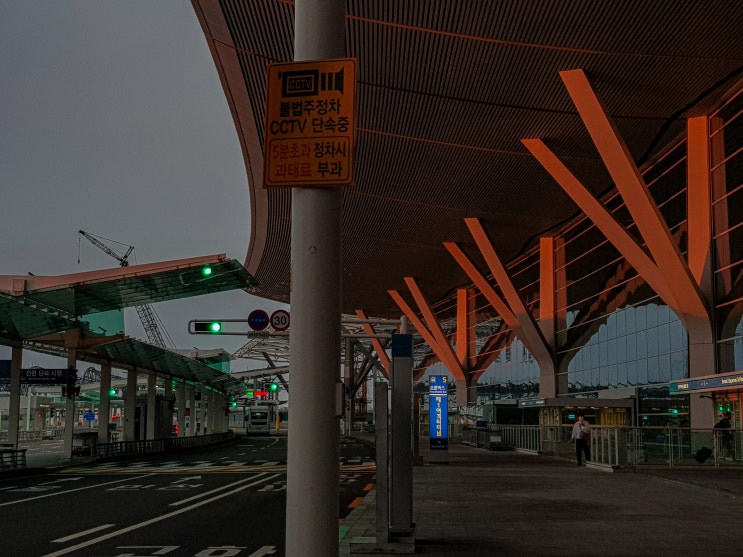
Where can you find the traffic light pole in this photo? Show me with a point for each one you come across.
(314, 448)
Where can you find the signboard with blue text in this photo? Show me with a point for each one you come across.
(707, 383)
(438, 412)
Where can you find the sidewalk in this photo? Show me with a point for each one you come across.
(509, 503)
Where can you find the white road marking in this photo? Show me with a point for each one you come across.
(160, 518)
(56, 493)
(84, 533)
(228, 486)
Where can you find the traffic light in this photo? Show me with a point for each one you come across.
(213, 327)
(112, 392)
(273, 387)
(206, 271)
(233, 402)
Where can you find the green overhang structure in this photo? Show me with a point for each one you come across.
(39, 313)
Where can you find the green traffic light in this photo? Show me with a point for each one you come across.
(213, 327)
(274, 387)
(112, 392)
(206, 270)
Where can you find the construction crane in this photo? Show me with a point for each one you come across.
(145, 312)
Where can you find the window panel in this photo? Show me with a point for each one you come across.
(642, 372)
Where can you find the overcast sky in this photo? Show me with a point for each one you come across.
(114, 122)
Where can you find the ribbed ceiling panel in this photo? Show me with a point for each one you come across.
(446, 91)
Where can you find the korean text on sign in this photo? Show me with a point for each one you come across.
(310, 124)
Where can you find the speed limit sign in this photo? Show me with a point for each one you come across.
(280, 320)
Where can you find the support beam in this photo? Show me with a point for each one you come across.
(104, 408)
(548, 385)
(499, 305)
(180, 401)
(630, 184)
(130, 405)
(192, 409)
(530, 334)
(150, 412)
(699, 203)
(378, 348)
(603, 219)
(443, 351)
(547, 291)
(14, 405)
(466, 328)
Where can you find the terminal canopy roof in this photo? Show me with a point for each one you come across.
(446, 91)
(38, 311)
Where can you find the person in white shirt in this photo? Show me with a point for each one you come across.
(582, 437)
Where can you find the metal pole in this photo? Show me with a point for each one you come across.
(381, 416)
(314, 448)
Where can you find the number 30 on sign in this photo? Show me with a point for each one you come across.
(280, 320)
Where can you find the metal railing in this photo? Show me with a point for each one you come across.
(124, 448)
(12, 459)
(35, 434)
(617, 447)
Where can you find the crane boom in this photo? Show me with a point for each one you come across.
(123, 259)
(145, 313)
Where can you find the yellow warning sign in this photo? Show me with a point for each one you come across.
(310, 124)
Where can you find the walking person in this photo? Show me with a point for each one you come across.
(582, 437)
(725, 437)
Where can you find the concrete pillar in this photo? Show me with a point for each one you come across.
(104, 408)
(70, 420)
(151, 424)
(401, 485)
(348, 380)
(14, 405)
(180, 397)
(203, 404)
(192, 410)
(314, 448)
(130, 405)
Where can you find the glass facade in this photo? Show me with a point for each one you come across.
(636, 346)
(727, 211)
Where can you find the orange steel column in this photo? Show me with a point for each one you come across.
(720, 214)
(466, 321)
(530, 333)
(519, 320)
(384, 359)
(699, 200)
(603, 220)
(442, 350)
(639, 202)
(547, 293)
(547, 289)
(500, 306)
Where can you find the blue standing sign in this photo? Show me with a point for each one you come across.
(438, 412)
